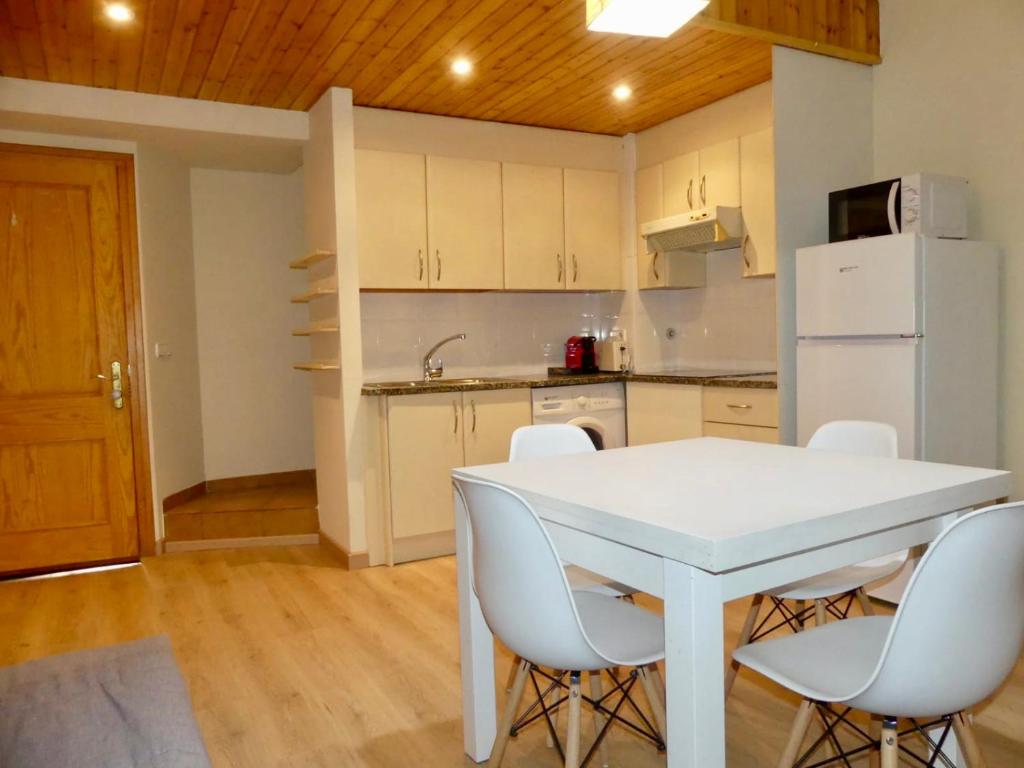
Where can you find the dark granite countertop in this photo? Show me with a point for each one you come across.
(689, 376)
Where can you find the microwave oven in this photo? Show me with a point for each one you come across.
(925, 203)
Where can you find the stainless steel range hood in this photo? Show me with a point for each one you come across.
(712, 229)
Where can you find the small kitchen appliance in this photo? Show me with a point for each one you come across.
(613, 353)
(580, 354)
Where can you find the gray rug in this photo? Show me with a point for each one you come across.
(123, 706)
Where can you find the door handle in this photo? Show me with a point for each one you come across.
(455, 411)
(558, 258)
(437, 255)
(654, 266)
(575, 268)
(743, 251)
(689, 195)
(472, 408)
(116, 385)
(419, 255)
(741, 406)
(703, 190)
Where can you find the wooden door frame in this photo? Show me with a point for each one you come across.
(136, 344)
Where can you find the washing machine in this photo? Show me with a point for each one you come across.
(599, 409)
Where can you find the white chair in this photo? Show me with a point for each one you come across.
(956, 636)
(527, 603)
(831, 593)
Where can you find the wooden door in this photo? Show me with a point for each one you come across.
(490, 418)
(757, 194)
(67, 465)
(424, 446)
(720, 174)
(592, 231)
(681, 184)
(464, 223)
(391, 219)
(533, 228)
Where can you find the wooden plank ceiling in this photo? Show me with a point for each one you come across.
(534, 61)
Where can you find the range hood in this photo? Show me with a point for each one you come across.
(712, 229)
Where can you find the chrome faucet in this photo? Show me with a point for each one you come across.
(429, 373)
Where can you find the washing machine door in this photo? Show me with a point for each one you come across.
(595, 430)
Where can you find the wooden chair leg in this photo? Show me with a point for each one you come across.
(865, 602)
(595, 694)
(572, 739)
(512, 673)
(801, 606)
(820, 614)
(890, 744)
(875, 732)
(797, 734)
(968, 743)
(745, 633)
(654, 697)
(509, 717)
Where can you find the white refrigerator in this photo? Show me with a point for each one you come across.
(902, 329)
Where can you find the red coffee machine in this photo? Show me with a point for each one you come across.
(579, 354)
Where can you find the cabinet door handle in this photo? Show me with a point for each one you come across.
(419, 255)
(558, 258)
(455, 412)
(654, 266)
(743, 250)
(703, 190)
(740, 406)
(575, 268)
(437, 256)
(689, 195)
(472, 408)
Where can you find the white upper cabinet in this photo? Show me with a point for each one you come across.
(533, 227)
(593, 261)
(757, 192)
(391, 219)
(464, 223)
(681, 184)
(651, 270)
(719, 182)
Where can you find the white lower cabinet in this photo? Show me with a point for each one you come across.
(428, 436)
(742, 413)
(656, 413)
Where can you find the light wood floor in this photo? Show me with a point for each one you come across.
(294, 662)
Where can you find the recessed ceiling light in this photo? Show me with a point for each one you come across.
(118, 12)
(462, 66)
(622, 92)
(648, 18)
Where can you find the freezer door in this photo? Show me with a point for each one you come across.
(866, 380)
(866, 287)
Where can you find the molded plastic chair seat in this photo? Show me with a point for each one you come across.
(841, 580)
(828, 663)
(621, 632)
(582, 580)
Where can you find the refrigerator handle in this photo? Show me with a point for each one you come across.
(894, 225)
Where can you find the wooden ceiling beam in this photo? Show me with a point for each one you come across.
(842, 29)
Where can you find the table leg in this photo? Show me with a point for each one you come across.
(476, 647)
(694, 661)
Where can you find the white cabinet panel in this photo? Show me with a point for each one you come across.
(681, 181)
(594, 260)
(651, 268)
(719, 175)
(490, 417)
(657, 413)
(757, 195)
(533, 227)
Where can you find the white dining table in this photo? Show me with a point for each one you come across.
(698, 523)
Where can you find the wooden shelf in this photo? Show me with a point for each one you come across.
(320, 326)
(323, 288)
(313, 257)
(318, 365)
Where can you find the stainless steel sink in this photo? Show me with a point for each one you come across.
(432, 383)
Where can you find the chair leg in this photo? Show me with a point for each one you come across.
(875, 732)
(654, 698)
(820, 616)
(865, 602)
(890, 744)
(555, 696)
(512, 673)
(797, 734)
(509, 717)
(801, 605)
(572, 739)
(595, 694)
(745, 633)
(968, 743)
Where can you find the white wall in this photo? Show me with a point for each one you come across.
(730, 322)
(822, 114)
(256, 412)
(948, 98)
(169, 317)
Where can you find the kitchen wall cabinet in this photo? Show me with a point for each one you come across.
(391, 219)
(742, 413)
(464, 224)
(534, 231)
(681, 179)
(719, 182)
(659, 270)
(428, 436)
(593, 260)
(757, 192)
(656, 413)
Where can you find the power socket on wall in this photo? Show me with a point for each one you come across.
(162, 350)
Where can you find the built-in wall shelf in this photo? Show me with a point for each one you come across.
(320, 326)
(318, 365)
(313, 257)
(327, 287)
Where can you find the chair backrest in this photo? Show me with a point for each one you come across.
(541, 440)
(520, 583)
(960, 627)
(864, 438)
